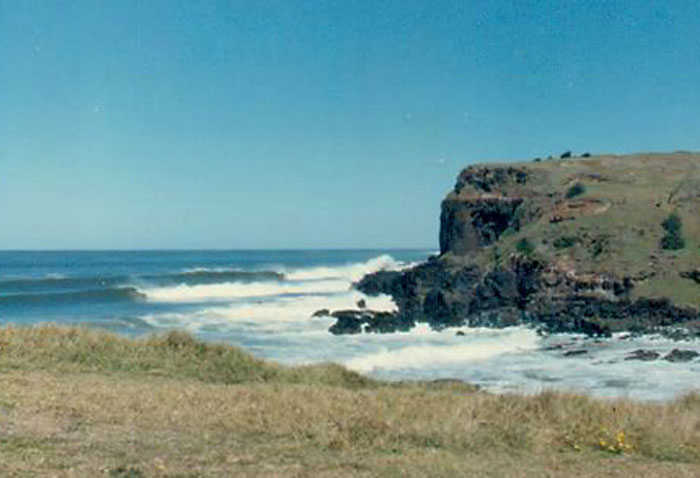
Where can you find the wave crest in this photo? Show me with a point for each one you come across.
(350, 272)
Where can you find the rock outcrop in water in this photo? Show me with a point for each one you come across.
(517, 246)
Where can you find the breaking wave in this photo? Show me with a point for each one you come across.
(307, 281)
(230, 291)
(349, 272)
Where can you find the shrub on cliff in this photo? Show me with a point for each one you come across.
(673, 240)
(575, 190)
(672, 223)
(599, 245)
(565, 241)
(524, 246)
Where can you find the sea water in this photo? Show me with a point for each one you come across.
(263, 301)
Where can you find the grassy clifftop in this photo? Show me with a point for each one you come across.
(602, 215)
(81, 403)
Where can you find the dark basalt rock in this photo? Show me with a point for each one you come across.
(321, 313)
(681, 333)
(485, 179)
(358, 321)
(382, 282)
(693, 275)
(678, 355)
(347, 323)
(644, 355)
(574, 353)
(466, 225)
(444, 295)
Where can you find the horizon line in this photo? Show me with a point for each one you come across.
(242, 249)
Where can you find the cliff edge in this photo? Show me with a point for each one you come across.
(595, 245)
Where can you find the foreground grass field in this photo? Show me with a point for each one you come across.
(75, 402)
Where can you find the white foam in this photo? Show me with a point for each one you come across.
(279, 314)
(478, 346)
(55, 275)
(231, 290)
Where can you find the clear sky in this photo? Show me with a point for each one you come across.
(290, 124)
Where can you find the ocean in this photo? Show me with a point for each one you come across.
(263, 301)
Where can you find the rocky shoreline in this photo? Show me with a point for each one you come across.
(522, 293)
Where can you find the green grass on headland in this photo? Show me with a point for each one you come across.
(75, 402)
(633, 216)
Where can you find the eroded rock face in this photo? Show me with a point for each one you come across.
(468, 224)
(484, 204)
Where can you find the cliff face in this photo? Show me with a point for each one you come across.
(485, 203)
(571, 245)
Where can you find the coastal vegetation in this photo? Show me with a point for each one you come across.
(575, 190)
(524, 246)
(564, 242)
(79, 402)
(673, 239)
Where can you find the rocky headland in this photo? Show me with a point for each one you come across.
(594, 245)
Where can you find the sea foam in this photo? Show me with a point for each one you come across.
(476, 345)
(231, 290)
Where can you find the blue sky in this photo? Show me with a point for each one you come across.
(284, 124)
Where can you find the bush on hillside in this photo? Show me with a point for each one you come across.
(673, 240)
(524, 246)
(672, 223)
(575, 190)
(565, 241)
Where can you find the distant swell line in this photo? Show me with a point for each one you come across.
(204, 276)
(195, 277)
(94, 295)
(55, 285)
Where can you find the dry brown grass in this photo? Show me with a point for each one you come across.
(63, 412)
